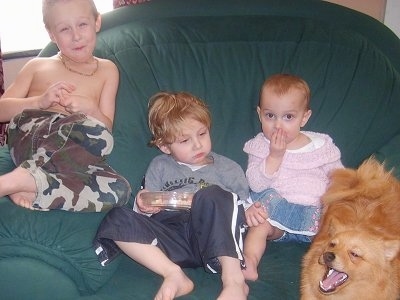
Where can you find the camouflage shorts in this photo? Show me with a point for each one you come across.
(66, 156)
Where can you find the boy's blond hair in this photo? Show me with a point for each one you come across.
(168, 110)
(47, 4)
(280, 84)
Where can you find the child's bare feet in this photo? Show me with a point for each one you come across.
(250, 272)
(20, 186)
(175, 284)
(24, 199)
(234, 290)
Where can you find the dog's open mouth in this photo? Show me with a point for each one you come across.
(332, 280)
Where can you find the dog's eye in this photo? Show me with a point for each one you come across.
(354, 254)
(332, 244)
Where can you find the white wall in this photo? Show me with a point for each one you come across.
(373, 8)
(11, 68)
(392, 16)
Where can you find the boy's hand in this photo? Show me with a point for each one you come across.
(55, 94)
(256, 214)
(74, 103)
(77, 103)
(145, 208)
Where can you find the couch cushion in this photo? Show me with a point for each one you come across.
(225, 63)
(279, 278)
(390, 155)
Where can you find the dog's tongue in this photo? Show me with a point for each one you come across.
(332, 280)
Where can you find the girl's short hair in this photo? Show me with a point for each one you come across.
(280, 84)
(167, 111)
(47, 4)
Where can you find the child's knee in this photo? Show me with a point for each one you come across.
(212, 192)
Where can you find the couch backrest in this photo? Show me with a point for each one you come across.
(223, 50)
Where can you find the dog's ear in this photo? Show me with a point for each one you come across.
(335, 226)
(391, 249)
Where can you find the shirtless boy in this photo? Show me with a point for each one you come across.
(61, 112)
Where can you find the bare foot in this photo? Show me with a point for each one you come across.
(234, 291)
(250, 272)
(175, 284)
(24, 199)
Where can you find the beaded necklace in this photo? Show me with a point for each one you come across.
(75, 71)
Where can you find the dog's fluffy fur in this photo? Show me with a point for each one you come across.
(356, 253)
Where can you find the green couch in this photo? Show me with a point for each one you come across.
(220, 50)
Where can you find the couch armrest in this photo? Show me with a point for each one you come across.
(6, 163)
(56, 244)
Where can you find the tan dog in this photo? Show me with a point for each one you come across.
(356, 253)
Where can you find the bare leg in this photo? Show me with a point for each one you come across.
(20, 186)
(175, 283)
(234, 286)
(254, 247)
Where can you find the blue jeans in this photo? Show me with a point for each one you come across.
(300, 222)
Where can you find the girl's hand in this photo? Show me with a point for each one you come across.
(278, 144)
(147, 209)
(256, 214)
